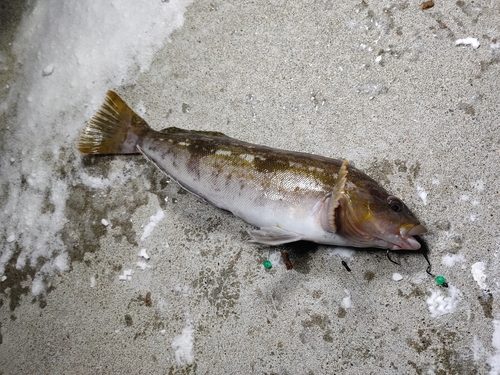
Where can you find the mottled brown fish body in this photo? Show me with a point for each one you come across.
(289, 195)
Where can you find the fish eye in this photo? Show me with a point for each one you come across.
(395, 203)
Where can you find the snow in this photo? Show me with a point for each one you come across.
(144, 254)
(275, 259)
(468, 41)
(342, 252)
(154, 220)
(183, 346)
(143, 265)
(449, 260)
(397, 276)
(346, 301)
(69, 54)
(477, 270)
(126, 276)
(422, 194)
(440, 304)
(494, 360)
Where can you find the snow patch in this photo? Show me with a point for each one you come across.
(69, 54)
(423, 194)
(397, 276)
(477, 270)
(143, 265)
(449, 260)
(440, 304)
(154, 220)
(468, 41)
(346, 301)
(342, 252)
(183, 346)
(144, 254)
(494, 360)
(126, 276)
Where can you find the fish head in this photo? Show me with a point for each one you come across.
(370, 217)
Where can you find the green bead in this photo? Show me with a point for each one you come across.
(267, 264)
(440, 280)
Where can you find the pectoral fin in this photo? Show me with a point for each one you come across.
(273, 236)
(332, 201)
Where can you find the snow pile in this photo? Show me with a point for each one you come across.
(183, 346)
(69, 54)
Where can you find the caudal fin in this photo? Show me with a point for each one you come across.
(114, 129)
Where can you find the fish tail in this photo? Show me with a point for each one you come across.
(114, 129)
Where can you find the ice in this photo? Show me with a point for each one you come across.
(69, 54)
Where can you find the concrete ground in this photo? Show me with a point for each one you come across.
(379, 83)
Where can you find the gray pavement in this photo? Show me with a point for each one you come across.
(379, 83)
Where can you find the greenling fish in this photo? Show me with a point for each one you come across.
(289, 195)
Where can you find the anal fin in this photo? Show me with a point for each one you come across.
(273, 236)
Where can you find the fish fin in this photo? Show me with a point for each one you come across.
(333, 200)
(114, 129)
(174, 129)
(273, 236)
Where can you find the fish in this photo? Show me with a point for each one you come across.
(289, 196)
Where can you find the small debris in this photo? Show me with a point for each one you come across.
(11, 238)
(92, 281)
(147, 300)
(104, 222)
(427, 4)
(4, 278)
(286, 260)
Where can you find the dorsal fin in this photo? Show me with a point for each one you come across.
(332, 201)
(174, 129)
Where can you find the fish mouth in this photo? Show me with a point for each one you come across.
(408, 242)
